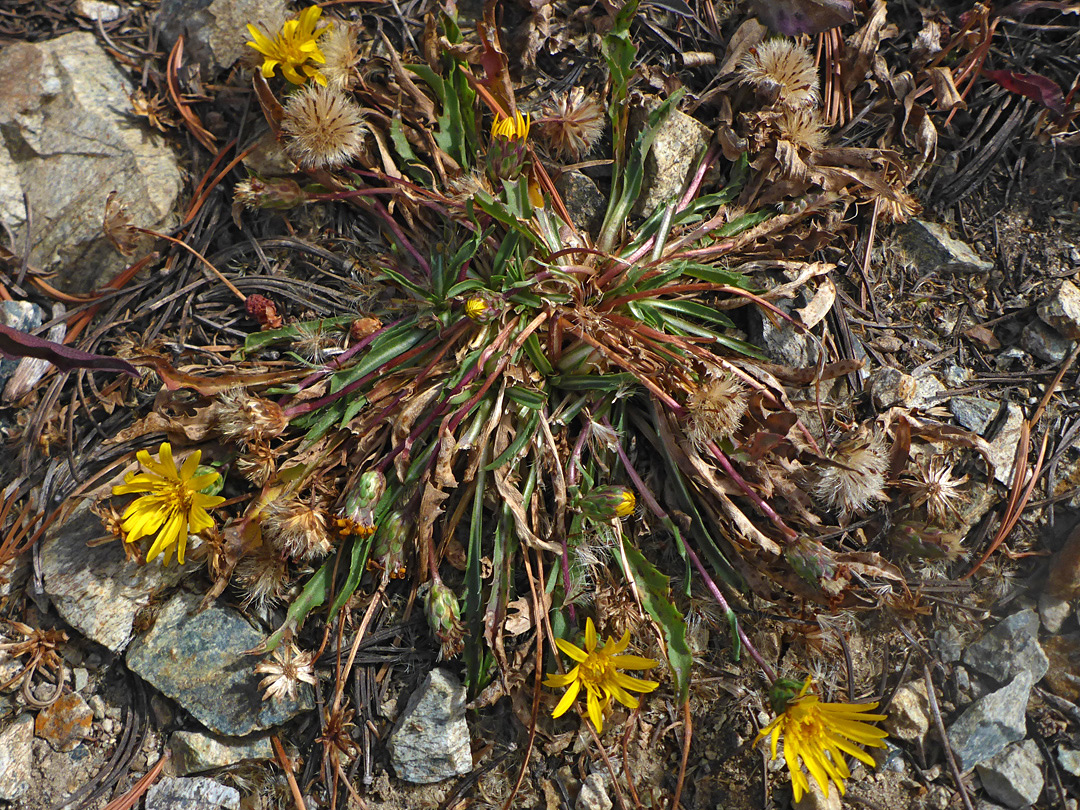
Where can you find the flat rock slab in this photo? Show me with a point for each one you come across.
(69, 139)
(1010, 648)
(16, 740)
(199, 660)
(1014, 777)
(991, 723)
(932, 249)
(98, 590)
(195, 752)
(197, 793)
(431, 739)
(65, 723)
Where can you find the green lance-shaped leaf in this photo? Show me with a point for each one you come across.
(656, 598)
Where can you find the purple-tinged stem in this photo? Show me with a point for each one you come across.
(380, 209)
(656, 509)
(759, 502)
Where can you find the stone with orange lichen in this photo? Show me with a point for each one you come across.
(65, 723)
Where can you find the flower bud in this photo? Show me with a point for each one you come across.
(358, 516)
(388, 547)
(444, 618)
(783, 692)
(929, 542)
(605, 503)
(275, 193)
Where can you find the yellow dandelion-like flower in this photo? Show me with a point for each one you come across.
(173, 505)
(476, 307)
(596, 672)
(817, 735)
(515, 128)
(293, 47)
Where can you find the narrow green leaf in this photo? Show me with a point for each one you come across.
(520, 440)
(655, 594)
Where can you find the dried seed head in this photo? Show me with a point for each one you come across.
(242, 417)
(296, 529)
(263, 576)
(285, 670)
(896, 205)
(933, 486)
(572, 124)
(325, 128)
(857, 479)
(316, 342)
(118, 225)
(715, 408)
(341, 50)
(258, 465)
(803, 128)
(783, 70)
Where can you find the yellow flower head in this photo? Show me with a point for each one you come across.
(627, 504)
(595, 671)
(172, 507)
(293, 47)
(476, 307)
(511, 129)
(818, 735)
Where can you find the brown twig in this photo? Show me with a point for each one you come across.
(688, 730)
(931, 696)
(286, 766)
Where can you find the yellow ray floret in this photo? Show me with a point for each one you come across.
(596, 672)
(513, 128)
(172, 506)
(294, 47)
(817, 735)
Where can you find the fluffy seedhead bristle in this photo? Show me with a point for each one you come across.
(783, 70)
(297, 529)
(803, 128)
(242, 417)
(341, 50)
(324, 128)
(263, 577)
(854, 486)
(572, 124)
(715, 407)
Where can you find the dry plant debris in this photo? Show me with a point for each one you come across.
(416, 372)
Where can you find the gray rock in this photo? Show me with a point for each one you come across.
(584, 201)
(782, 342)
(430, 741)
(1044, 342)
(199, 660)
(1061, 310)
(68, 142)
(932, 250)
(890, 386)
(1014, 777)
(98, 590)
(1053, 610)
(195, 752)
(97, 10)
(21, 316)
(1010, 648)
(215, 31)
(1069, 760)
(16, 758)
(593, 794)
(973, 413)
(1002, 450)
(991, 723)
(909, 712)
(950, 645)
(195, 793)
(679, 144)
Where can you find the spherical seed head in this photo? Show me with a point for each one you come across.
(324, 128)
(572, 124)
(784, 69)
(242, 417)
(852, 487)
(716, 407)
(297, 529)
(341, 50)
(803, 128)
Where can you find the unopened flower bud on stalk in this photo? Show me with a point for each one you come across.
(388, 547)
(275, 193)
(444, 618)
(358, 516)
(605, 503)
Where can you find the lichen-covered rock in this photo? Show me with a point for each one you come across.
(68, 141)
(431, 739)
(200, 660)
